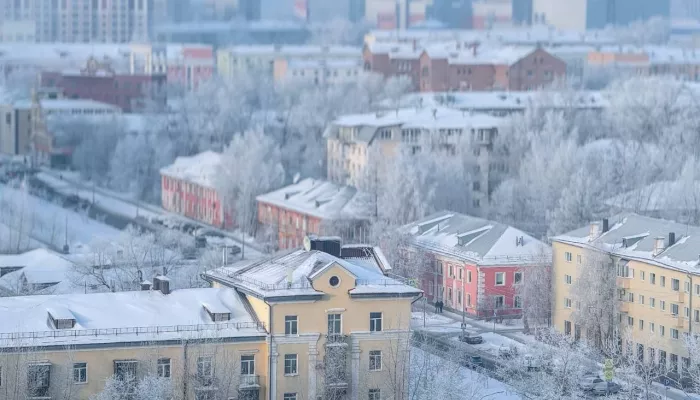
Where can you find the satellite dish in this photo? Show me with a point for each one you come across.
(307, 243)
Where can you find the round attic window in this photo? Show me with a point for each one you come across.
(334, 281)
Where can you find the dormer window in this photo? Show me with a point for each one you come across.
(61, 318)
(218, 314)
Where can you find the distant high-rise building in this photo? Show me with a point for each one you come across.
(522, 12)
(324, 10)
(685, 9)
(596, 14)
(454, 14)
(282, 10)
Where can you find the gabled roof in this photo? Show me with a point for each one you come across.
(476, 240)
(322, 199)
(639, 234)
(288, 276)
(201, 169)
(38, 267)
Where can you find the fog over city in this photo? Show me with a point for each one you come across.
(349, 199)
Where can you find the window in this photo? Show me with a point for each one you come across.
(247, 365)
(38, 379)
(630, 297)
(567, 255)
(290, 325)
(289, 396)
(451, 273)
(290, 364)
(125, 370)
(567, 302)
(578, 259)
(652, 302)
(375, 360)
(469, 300)
(630, 321)
(641, 275)
(652, 278)
(334, 324)
(517, 302)
(500, 301)
(449, 293)
(662, 330)
(651, 327)
(696, 315)
(460, 273)
(375, 322)
(675, 285)
(375, 394)
(674, 333)
(674, 309)
(686, 286)
(641, 324)
(567, 327)
(641, 299)
(686, 312)
(79, 372)
(164, 368)
(697, 290)
(567, 279)
(517, 278)
(500, 278)
(205, 370)
(662, 281)
(469, 276)
(662, 304)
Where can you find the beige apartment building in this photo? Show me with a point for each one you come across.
(357, 144)
(657, 284)
(321, 322)
(338, 325)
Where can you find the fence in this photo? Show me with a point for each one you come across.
(145, 330)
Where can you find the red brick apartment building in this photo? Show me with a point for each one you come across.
(188, 188)
(313, 206)
(456, 68)
(477, 264)
(99, 82)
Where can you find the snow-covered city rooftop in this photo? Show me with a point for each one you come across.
(202, 168)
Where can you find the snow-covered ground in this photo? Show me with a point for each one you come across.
(437, 323)
(433, 377)
(50, 224)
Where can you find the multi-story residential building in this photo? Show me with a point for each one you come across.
(234, 60)
(492, 14)
(452, 14)
(466, 66)
(477, 264)
(681, 63)
(325, 11)
(99, 82)
(356, 144)
(313, 206)
(23, 128)
(317, 72)
(596, 14)
(334, 319)
(185, 65)
(17, 31)
(205, 342)
(188, 187)
(656, 264)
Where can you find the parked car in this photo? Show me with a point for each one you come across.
(469, 339)
(234, 250)
(605, 388)
(475, 362)
(588, 382)
(209, 233)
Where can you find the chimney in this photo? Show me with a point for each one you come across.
(415, 44)
(594, 231)
(659, 245)
(290, 277)
(162, 283)
(146, 285)
(606, 226)
(671, 238)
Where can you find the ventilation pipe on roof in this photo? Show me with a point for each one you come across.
(671, 238)
(606, 226)
(594, 231)
(659, 245)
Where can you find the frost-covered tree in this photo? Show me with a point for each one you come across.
(148, 388)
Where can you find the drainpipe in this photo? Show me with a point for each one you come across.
(273, 371)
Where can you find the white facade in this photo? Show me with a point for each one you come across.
(569, 14)
(317, 72)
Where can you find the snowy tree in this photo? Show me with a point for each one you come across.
(250, 166)
(536, 294)
(148, 388)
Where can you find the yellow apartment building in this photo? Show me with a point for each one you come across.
(338, 325)
(655, 271)
(202, 342)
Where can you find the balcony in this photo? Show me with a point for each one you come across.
(249, 382)
(623, 283)
(681, 323)
(624, 307)
(680, 297)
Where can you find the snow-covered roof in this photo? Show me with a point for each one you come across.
(201, 169)
(68, 104)
(476, 240)
(334, 63)
(683, 255)
(321, 199)
(39, 267)
(291, 274)
(103, 318)
(295, 51)
(659, 196)
(429, 118)
(498, 56)
(504, 101)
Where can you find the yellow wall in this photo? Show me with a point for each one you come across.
(100, 365)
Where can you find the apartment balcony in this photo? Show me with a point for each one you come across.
(680, 297)
(681, 323)
(624, 307)
(623, 283)
(249, 382)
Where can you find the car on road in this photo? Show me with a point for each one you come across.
(588, 382)
(475, 362)
(605, 388)
(233, 249)
(469, 339)
(209, 233)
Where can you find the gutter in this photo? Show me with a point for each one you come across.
(270, 379)
(419, 297)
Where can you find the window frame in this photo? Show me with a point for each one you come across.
(289, 396)
(495, 279)
(337, 319)
(290, 323)
(374, 394)
(291, 364)
(517, 278)
(376, 323)
(78, 367)
(164, 369)
(248, 362)
(375, 360)
(43, 390)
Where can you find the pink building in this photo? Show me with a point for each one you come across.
(184, 65)
(476, 264)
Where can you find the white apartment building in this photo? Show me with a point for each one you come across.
(261, 59)
(317, 72)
